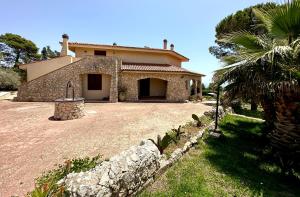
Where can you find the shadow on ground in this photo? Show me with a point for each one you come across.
(241, 154)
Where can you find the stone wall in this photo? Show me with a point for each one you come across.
(68, 110)
(122, 175)
(177, 88)
(52, 86)
(127, 173)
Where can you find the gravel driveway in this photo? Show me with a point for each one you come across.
(30, 143)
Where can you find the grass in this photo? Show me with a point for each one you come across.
(245, 110)
(235, 165)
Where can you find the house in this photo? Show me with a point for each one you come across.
(99, 71)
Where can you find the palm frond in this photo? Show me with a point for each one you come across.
(282, 22)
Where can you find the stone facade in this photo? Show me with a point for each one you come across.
(68, 109)
(178, 89)
(52, 86)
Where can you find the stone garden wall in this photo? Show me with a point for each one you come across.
(127, 173)
(52, 86)
(122, 175)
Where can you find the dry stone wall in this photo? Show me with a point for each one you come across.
(122, 175)
(127, 173)
(52, 86)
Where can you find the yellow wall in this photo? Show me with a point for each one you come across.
(35, 70)
(158, 87)
(96, 94)
(133, 56)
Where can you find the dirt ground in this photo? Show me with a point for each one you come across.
(30, 143)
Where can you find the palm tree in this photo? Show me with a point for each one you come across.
(271, 64)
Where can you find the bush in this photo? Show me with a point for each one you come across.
(46, 184)
(9, 79)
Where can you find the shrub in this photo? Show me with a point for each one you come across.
(46, 184)
(193, 98)
(9, 79)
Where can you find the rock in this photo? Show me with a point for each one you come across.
(212, 113)
(215, 134)
(120, 176)
(229, 110)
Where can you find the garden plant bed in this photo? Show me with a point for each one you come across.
(234, 165)
(190, 129)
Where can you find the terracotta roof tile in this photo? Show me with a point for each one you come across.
(155, 68)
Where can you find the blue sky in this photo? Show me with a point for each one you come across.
(189, 24)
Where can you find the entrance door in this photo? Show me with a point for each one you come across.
(144, 90)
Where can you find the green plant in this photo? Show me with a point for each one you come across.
(193, 98)
(46, 184)
(122, 89)
(162, 143)
(49, 190)
(9, 79)
(235, 166)
(178, 132)
(197, 119)
(268, 65)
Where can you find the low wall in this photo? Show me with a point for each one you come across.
(127, 173)
(122, 175)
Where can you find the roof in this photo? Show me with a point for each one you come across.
(155, 68)
(73, 45)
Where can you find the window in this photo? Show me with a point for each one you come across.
(94, 82)
(100, 53)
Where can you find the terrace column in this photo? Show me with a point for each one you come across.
(200, 88)
(195, 86)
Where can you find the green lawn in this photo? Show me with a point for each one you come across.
(235, 165)
(245, 110)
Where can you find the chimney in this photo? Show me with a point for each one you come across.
(165, 44)
(172, 47)
(65, 45)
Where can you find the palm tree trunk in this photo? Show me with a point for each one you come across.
(285, 138)
(253, 105)
(267, 103)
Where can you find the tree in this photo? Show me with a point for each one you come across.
(272, 64)
(7, 57)
(24, 51)
(241, 20)
(47, 53)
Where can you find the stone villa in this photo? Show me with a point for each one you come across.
(99, 72)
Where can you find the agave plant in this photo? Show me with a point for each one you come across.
(269, 64)
(197, 119)
(178, 132)
(162, 143)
